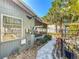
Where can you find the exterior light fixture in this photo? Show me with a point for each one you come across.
(29, 17)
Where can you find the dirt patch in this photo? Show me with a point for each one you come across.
(28, 53)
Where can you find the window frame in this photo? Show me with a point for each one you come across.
(2, 32)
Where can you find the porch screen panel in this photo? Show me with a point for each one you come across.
(12, 28)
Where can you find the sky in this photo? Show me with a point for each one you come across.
(40, 7)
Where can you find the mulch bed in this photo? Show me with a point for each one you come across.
(28, 53)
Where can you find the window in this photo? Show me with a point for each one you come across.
(11, 28)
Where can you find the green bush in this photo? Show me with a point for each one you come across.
(46, 38)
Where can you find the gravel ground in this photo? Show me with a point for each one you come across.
(28, 53)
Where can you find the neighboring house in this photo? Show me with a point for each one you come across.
(40, 28)
(16, 25)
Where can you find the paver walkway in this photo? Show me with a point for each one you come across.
(46, 52)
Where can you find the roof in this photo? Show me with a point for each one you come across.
(26, 8)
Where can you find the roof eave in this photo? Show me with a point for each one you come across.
(24, 7)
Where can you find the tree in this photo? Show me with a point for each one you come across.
(63, 12)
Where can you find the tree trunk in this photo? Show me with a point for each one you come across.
(61, 29)
(56, 28)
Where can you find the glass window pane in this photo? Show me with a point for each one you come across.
(12, 28)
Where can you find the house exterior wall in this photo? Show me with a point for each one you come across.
(9, 8)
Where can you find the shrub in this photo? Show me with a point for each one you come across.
(46, 38)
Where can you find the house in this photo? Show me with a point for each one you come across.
(16, 24)
(40, 28)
